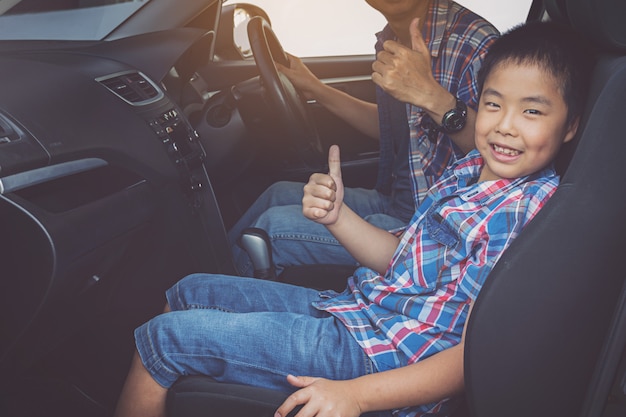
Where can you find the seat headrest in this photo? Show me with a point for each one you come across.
(556, 10)
(602, 21)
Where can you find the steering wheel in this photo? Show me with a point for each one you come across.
(283, 95)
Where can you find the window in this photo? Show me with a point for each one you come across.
(346, 27)
(51, 19)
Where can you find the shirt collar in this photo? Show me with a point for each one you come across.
(467, 172)
(434, 29)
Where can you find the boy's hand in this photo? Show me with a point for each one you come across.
(323, 194)
(405, 73)
(321, 398)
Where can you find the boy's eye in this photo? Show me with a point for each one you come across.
(492, 104)
(533, 111)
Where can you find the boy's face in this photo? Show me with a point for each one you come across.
(521, 121)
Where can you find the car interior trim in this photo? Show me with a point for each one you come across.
(26, 179)
(347, 79)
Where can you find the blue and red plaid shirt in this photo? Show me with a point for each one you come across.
(458, 40)
(420, 305)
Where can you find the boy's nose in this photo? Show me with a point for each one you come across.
(506, 125)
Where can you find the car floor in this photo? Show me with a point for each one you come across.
(82, 377)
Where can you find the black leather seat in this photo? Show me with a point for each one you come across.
(197, 396)
(548, 329)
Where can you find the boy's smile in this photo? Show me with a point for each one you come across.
(505, 151)
(521, 121)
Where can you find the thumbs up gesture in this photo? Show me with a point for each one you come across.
(406, 73)
(323, 194)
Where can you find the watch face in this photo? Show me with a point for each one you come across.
(454, 120)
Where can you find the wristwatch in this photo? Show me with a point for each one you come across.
(454, 120)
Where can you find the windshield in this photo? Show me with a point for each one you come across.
(64, 19)
(349, 29)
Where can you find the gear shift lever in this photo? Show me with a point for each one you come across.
(257, 244)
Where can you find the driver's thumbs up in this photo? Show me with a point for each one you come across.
(417, 41)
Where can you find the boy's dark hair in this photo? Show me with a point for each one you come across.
(554, 47)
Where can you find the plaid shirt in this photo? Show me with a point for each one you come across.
(420, 305)
(458, 40)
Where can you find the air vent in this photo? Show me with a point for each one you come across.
(133, 87)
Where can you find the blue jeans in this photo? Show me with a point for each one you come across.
(281, 333)
(297, 240)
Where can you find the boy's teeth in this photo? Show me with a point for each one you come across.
(506, 151)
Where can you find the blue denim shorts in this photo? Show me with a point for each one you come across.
(245, 330)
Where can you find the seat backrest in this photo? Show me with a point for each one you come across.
(544, 317)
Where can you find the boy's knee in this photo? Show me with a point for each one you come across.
(183, 291)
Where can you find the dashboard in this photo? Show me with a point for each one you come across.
(103, 190)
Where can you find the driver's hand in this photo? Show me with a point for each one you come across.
(301, 77)
(321, 398)
(406, 74)
(323, 194)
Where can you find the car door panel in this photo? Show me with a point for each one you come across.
(359, 153)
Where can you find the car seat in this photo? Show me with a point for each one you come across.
(547, 331)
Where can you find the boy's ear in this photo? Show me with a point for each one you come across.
(571, 130)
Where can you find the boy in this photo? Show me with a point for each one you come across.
(427, 55)
(391, 341)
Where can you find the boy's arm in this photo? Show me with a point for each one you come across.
(323, 202)
(433, 379)
(369, 245)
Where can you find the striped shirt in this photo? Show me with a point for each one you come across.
(458, 40)
(458, 44)
(420, 305)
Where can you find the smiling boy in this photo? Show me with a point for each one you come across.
(427, 59)
(392, 340)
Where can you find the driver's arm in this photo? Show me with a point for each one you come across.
(360, 114)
